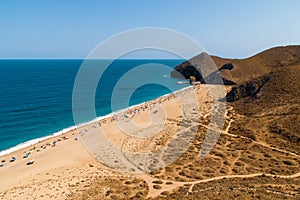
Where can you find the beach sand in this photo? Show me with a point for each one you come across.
(134, 155)
(61, 170)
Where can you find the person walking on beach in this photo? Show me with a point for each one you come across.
(2, 163)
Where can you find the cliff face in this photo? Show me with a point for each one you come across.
(237, 71)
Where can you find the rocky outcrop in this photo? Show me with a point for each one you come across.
(249, 89)
(203, 68)
(187, 71)
(211, 79)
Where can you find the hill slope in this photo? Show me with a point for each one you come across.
(270, 112)
(243, 69)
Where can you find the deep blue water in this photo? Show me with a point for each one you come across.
(36, 95)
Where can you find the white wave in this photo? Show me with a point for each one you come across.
(182, 82)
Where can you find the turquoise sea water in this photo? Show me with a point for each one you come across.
(36, 95)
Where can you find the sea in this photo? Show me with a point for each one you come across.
(36, 94)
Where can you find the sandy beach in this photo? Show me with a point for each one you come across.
(62, 164)
(162, 147)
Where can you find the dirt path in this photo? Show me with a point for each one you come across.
(155, 192)
(255, 142)
(168, 185)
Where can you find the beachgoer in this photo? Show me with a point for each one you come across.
(26, 155)
(2, 163)
(30, 162)
(13, 159)
(54, 143)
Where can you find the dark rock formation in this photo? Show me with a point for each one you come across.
(199, 66)
(186, 72)
(227, 66)
(214, 77)
(202, 67)
(249, 89)
(228, 82)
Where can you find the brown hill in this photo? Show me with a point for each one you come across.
(266, 114)
(242, 69)
(269, 108)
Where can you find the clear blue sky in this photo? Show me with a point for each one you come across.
(71, 29)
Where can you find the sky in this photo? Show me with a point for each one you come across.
(71, 29)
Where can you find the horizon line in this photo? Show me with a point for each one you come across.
(91, 59)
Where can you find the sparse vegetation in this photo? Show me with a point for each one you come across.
(263, 138)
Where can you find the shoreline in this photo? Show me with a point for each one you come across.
(35, 141)
(62, 163)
